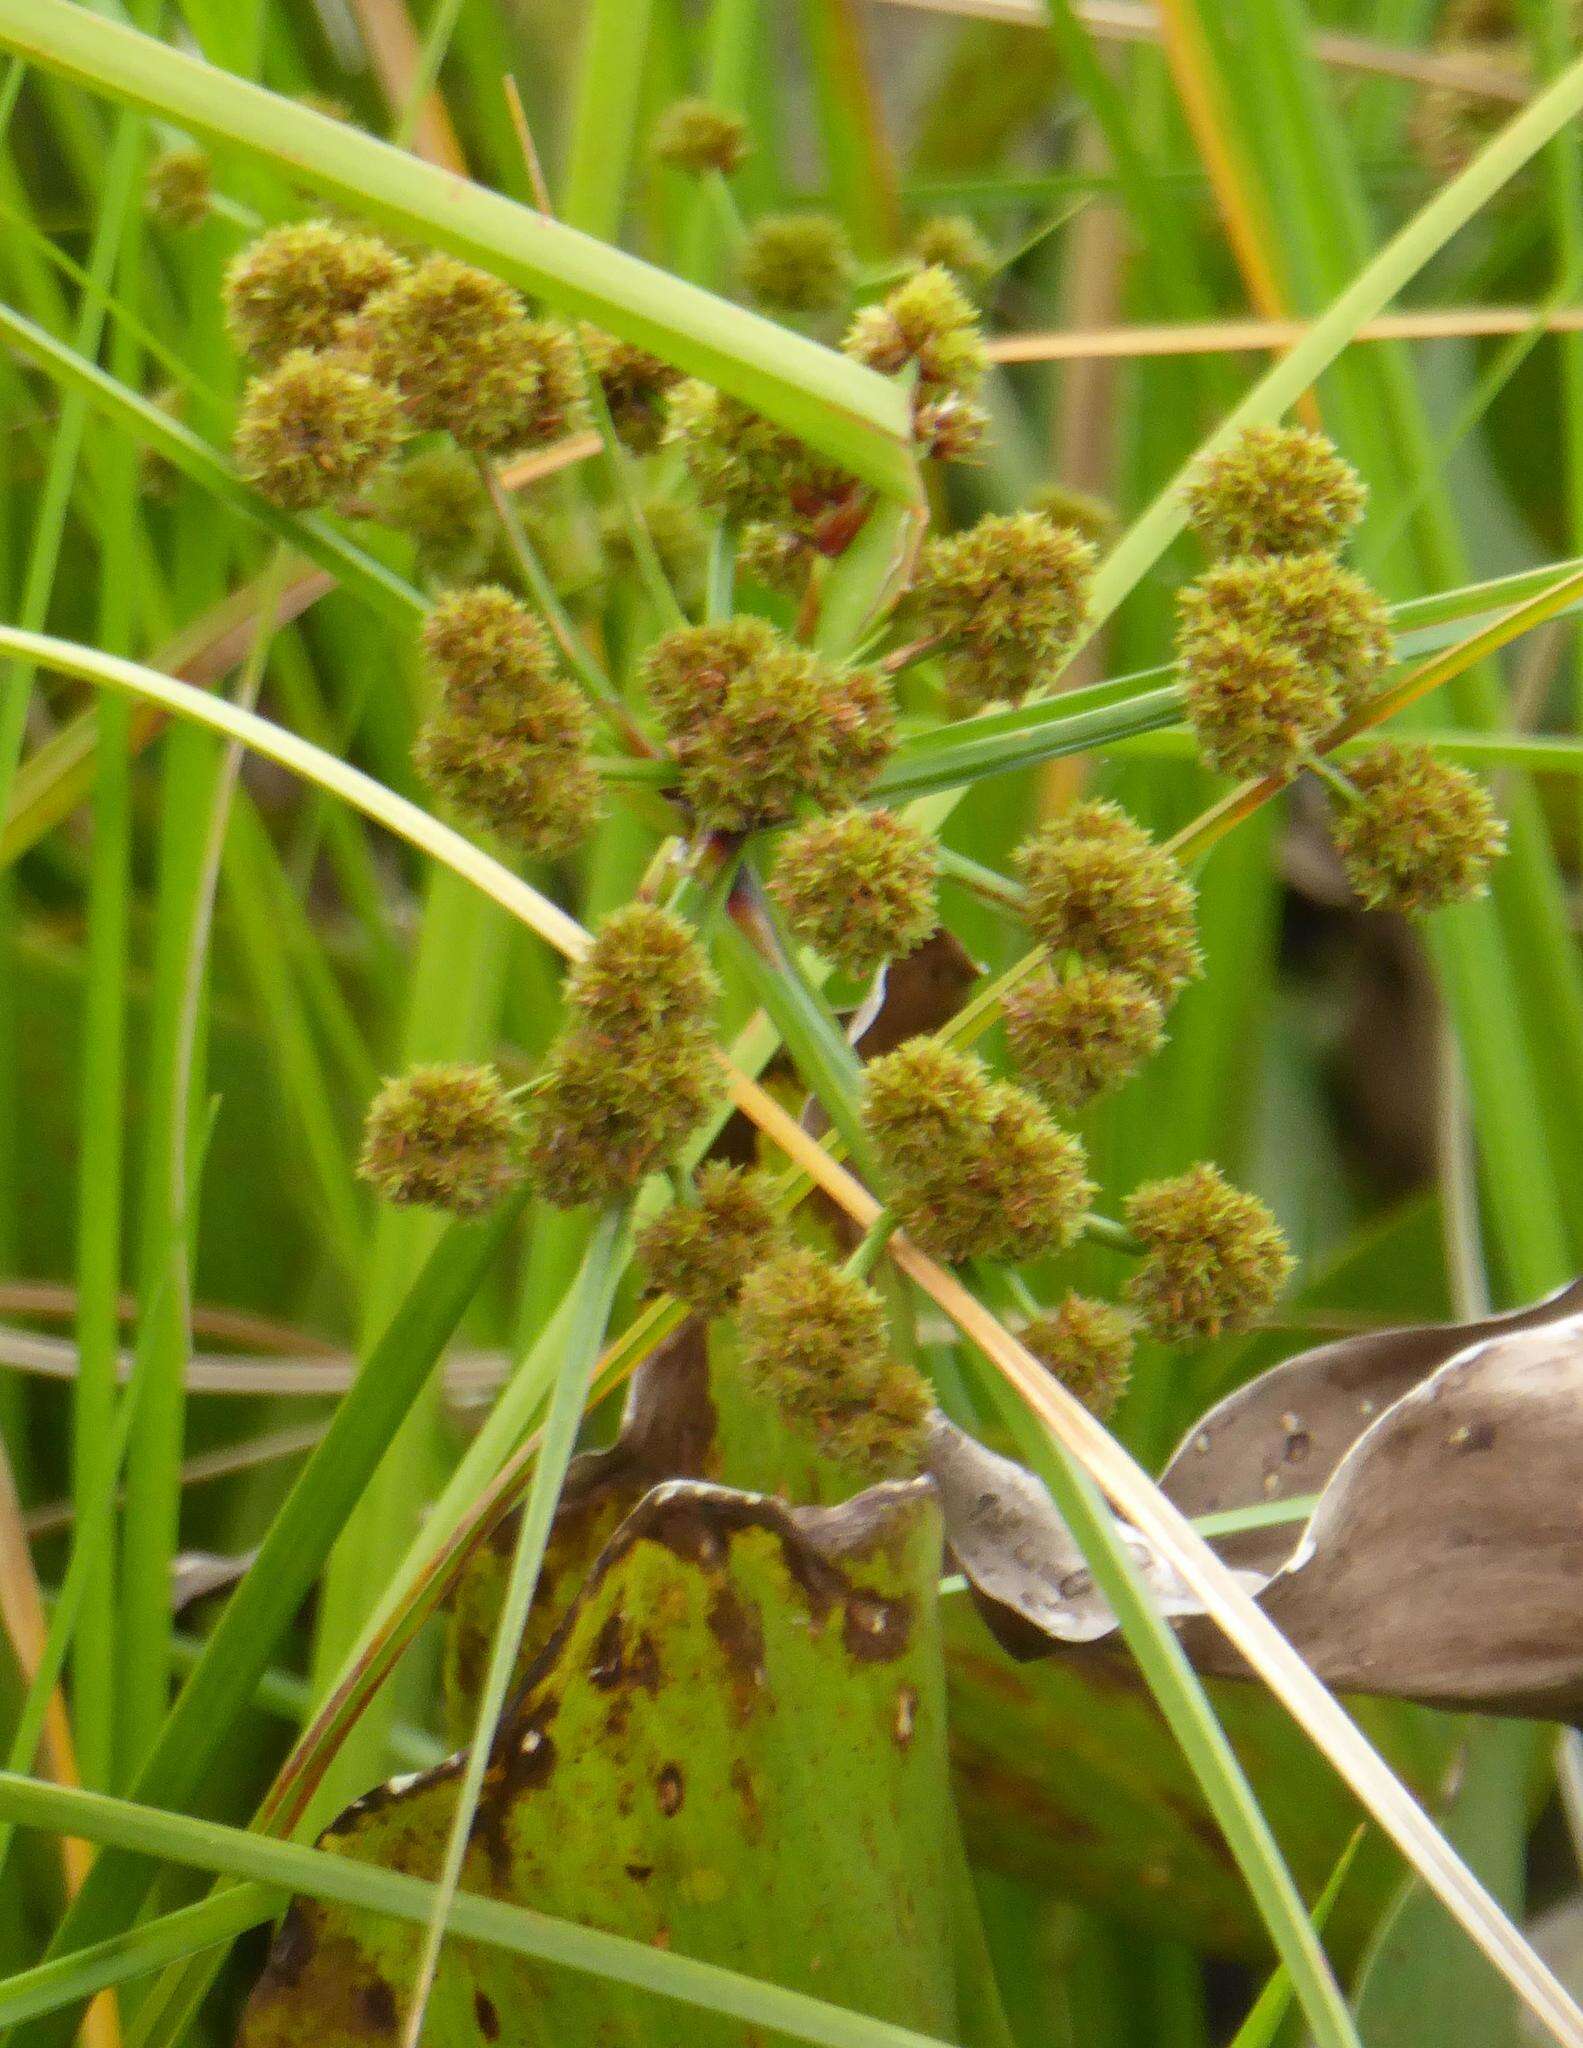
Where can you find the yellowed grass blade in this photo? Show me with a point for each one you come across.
(1129, 1489)
(1215, 337)
(1135, 21)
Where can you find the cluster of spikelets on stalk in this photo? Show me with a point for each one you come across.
(764, 744)
(1280, 645)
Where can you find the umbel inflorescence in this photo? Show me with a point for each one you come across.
(400, 387)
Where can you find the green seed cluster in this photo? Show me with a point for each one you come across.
(438, 500)
(508, 740)
(797, 263)
(1273, 649)
(703, 1251)
(634, 383)
(974, 1166)
(1214, 1257)
(1087, 1346)
(814, 1342)
(1277, 639)
(179, 189)
(444, 1137)
(759, 725)
(859, 888)
(632, 1074)
(1422, 833)
(1275, 491)
(950, 241)
(1098, 887)
(928, 323)
(297, 286)
(679, 538)
(696, 136)
(744, 467)
(314, 431)
(1079, 1031)
(460, 349)
(1007, 598)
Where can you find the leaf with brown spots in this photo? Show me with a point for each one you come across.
(733, 1745)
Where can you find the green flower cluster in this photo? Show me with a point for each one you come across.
(444, 1137)
(633, 1073)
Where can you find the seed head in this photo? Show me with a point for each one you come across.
(1099, 887)
(975, 1167)
(814, 1341)
(687, 671)
(1253, 704)
(643, 979)
(778, 557)
(1275, 491)
(745, 467)
(1093, 516)
(443, 1137)
(797, 262)
(634, 384)
(928, 320)
(1214, 1259)
(950, 241)
(597, 1128)
(1424, 834)
(492, 659)
(459, 347)
(437, 499)
(1087, 1346)
(508, 743)
(1325, 615)
(313, 431)
(693, 135)
(703, 1251)
(179, 190)
(296, 286)
(1077, 1034)
(632, 1075)
(1008, 597)
(785, 728)
(858, 888)
(541, 799)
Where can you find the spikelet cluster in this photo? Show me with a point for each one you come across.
(814, 1342)
(974, 1167)
(297, 286)
(928, 323)
(438, 500)
(1214, 1257)
(859, 888)
(696, 136)
(1007, 598)
(1422, 834)
(679, 539)
(444, 1137)
(179, 188)
(1079, 1031)
(950, 241)
(632, 1074)
(702, 1251)
(1275, 491)
(759, 725)
(1098, 887)
(634, 383)
(508, 740)
(1273, 649)
(1087, 1346)
(797, 263)
(467, 360)
(314, 431)
(744, 467)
